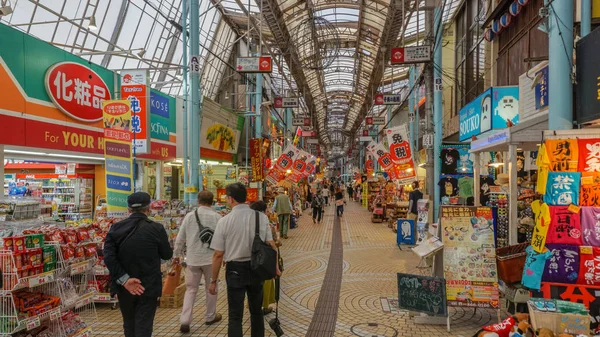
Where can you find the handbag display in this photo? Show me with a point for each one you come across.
(263, 262)
(206, 233)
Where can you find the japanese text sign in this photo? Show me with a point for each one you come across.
(286, 102)
(398, 140)
(412, 54)
(76, 90)
(134, 89)
(117, 151)
(261, 64)
(256, 159)
(541, 89)
(381, 99)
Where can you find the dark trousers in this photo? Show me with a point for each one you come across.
(340, 210)
(326, 201)
(240, 282)
(138, 313)
(317, 213)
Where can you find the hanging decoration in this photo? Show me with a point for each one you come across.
(505, 20)
(522, 2)
(488, 35)
(515, 9)
(496, 27)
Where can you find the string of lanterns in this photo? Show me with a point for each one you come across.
(505, 20)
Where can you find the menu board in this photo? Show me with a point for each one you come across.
(469, 257)
(422, 294)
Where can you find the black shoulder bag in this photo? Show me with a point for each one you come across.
(206, 233)
(263, 262)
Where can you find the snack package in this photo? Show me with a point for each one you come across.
(49, 254)
(19, 243)
(8, 243)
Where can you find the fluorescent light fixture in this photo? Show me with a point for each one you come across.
(25, 152)
(178, 160)
(496, 164)
(76, 157)
(174, 164)
(92, 25)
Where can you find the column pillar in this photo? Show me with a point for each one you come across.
(512, 194)
(437, 107)
(586, 17)
(185, 164)
(196, 173)
(411, 107)
(476, 179)
(560, 51)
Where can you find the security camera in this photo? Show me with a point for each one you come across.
(5, 10)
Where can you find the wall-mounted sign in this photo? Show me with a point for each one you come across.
(490, 110)
(302, 121)
(365, 138)
(381, 99)
(261, 64)
(309, 133)
(375, 120)
(134, 88)
(76, 90)
(413, 54)
(195, 64)
(286, 102)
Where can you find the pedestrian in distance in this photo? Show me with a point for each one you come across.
(194, 236)
(283, 207)
(325, 194)
(232, 243)
(339, 202)
(317, 207)
(133, 251)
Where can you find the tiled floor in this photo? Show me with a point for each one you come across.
(366, 256)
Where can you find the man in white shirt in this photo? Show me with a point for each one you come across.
(198, 260)
(325, 195)
(232, 243)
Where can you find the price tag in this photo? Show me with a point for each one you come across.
(78, 268)
(41, 279)
(102, 297)
(54, 315)
(32, 323)
(82, 303)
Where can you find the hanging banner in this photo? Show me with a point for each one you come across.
(261, 64)
(300, 163)
(256, 159)
(71, 168)
(117, 151)
(134, 88)
(287, 158)
(369, 165)
(274, 176)
(311, 164)
(398, 140)
(469, 257)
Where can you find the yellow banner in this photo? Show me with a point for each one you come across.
(117, 151)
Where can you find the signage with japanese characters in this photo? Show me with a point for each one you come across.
(469, 257)
(412, 54)
(401, 154)
(256, 159)
(134, 88)
(76, 90)
(117, 147)
(301, 121)
(381, 99)
(286, 102)
(261, 64)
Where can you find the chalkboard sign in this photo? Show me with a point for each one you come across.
(422, 294)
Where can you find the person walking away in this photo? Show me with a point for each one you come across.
(325, 194)
(414, 196)
(133, 250)
(283, 207)
(269, 285)
(339, 202)
(317, 208)
(232, 243)
(331, 191)
(350, 192)
(198, 259)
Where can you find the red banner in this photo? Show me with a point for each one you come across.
(256, 159)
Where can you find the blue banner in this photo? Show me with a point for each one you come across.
(541, 89)
(159, 104)
(406, 232)
(118, 183)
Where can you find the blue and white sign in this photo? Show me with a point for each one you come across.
(505, 103)
(118, 182)
(488, 111)
(476, 117)
(118, 166)
(406, 232)
(541, 89)
(159, 104)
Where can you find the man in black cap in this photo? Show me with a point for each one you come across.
(133, 250)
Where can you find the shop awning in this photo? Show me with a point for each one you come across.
(527, 135)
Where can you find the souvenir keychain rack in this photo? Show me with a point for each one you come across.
(50, 318)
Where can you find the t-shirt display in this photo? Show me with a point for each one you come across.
(542, 224)
(589, 265)
(534, 268)
(563, 265)
(562, 188)
(484, 189)
(449, 159)
(465, 165)
(590, 189)
(589, 155)
(563, 154)
(543, 163)
(565, 226)
(590, 226)
(465, 187)
(448, 187)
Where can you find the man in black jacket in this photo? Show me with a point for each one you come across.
(133, 250)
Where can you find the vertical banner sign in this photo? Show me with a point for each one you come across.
(256, 159)
(134, 88)
(401, 154)
(469, 257)
(117, 151)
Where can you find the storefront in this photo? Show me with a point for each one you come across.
(51, 110)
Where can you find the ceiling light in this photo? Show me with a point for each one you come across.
(496, 164)
(6, 10)
(75, 157)
(141, 53)
(25, 152)
(92, 25)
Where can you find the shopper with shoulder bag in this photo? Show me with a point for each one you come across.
(195, 235)
(244, 241)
